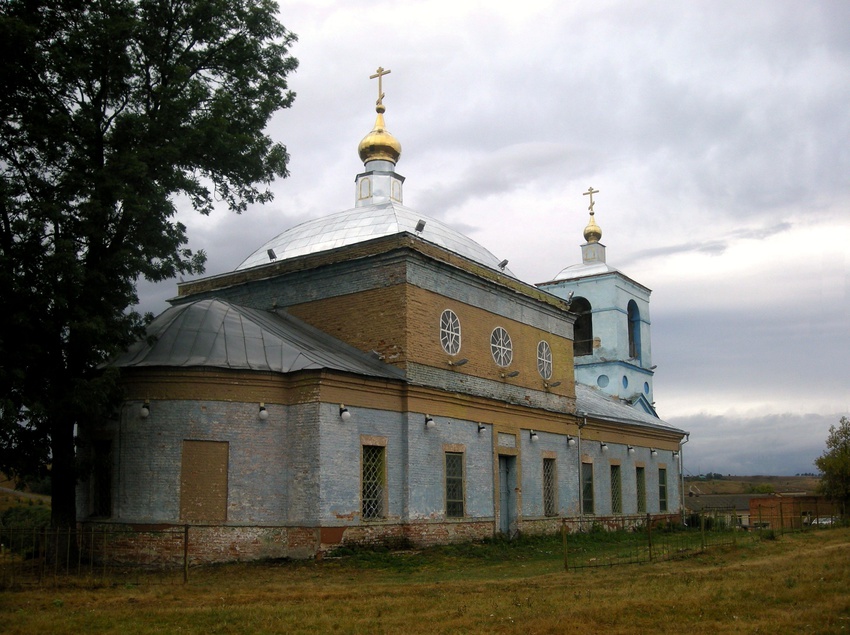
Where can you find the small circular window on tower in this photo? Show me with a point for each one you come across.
(544, 360)
(501, 346)
(450, 332)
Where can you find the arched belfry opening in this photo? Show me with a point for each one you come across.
(583, 330)
(634, 330)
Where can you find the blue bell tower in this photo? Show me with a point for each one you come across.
(612, 350)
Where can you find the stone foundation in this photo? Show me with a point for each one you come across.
(169, 545)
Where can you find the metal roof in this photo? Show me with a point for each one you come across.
(598, 404)
(583, 270)
(365, 223)
(214, 333)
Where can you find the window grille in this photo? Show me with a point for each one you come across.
(587, 488)
(544, 360)
(616, 490)
(454, 484)
(640, 478)
(501, 346)
(450, 332)
(374, 481)
(662, 489)
(550, 479)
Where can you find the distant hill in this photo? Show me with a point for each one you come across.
(754, 484)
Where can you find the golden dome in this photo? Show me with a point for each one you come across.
(379, 145)
(592, 233)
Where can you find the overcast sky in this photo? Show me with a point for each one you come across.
(717, 134)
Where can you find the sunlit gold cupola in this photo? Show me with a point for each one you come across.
(592, 251)
(592, 233)
(379, 144)
(379, 151)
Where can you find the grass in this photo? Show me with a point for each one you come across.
(796, 583)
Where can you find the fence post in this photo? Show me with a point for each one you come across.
(702, 528)
(649, 534)
(186, 554)
(781, 519)
(564, 540)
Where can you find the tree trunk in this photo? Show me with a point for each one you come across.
(63, 472)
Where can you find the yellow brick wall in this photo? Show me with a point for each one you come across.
(402, 323)
(368, 320)
(423, 344)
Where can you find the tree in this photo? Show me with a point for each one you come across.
(111, 110)
(834, 465)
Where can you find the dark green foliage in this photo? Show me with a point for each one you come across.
(29, 517)
(109, 110)
(834, 465)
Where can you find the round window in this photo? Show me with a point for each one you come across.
(450, 332)
(501, 347)
(544, 360)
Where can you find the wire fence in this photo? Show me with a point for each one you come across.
(106, 556)
(591, 543)
(645, 540)
(93, 556)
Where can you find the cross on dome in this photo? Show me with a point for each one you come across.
(380, 74)
(379, 144)
(592, 233)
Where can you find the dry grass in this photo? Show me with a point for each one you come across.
(745, 484)
(798, 583)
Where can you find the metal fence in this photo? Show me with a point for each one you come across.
(104, 556)
(93, 556)
(593, 544)
(644, 539)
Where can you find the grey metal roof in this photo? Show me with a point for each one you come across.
(365, 223)
(214, 333)
(583, 270)
(597, 404)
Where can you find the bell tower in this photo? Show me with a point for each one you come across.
(611, 347)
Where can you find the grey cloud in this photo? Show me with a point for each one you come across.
(711, 246)
(783, 444)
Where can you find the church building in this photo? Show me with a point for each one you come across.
(374, 376)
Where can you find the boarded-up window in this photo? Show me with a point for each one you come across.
(203, 481)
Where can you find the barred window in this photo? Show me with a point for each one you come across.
(662, 489)
(616, 490)
(587, 488)
(501, 346)
(550, 494)
(640, 478)
(544, 360)
(450, 332)
(454, 484)
(374, 481)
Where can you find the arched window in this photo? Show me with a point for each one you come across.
(583, 330)
(634, 330)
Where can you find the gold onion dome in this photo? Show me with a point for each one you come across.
(379, 145)
(592, 233)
